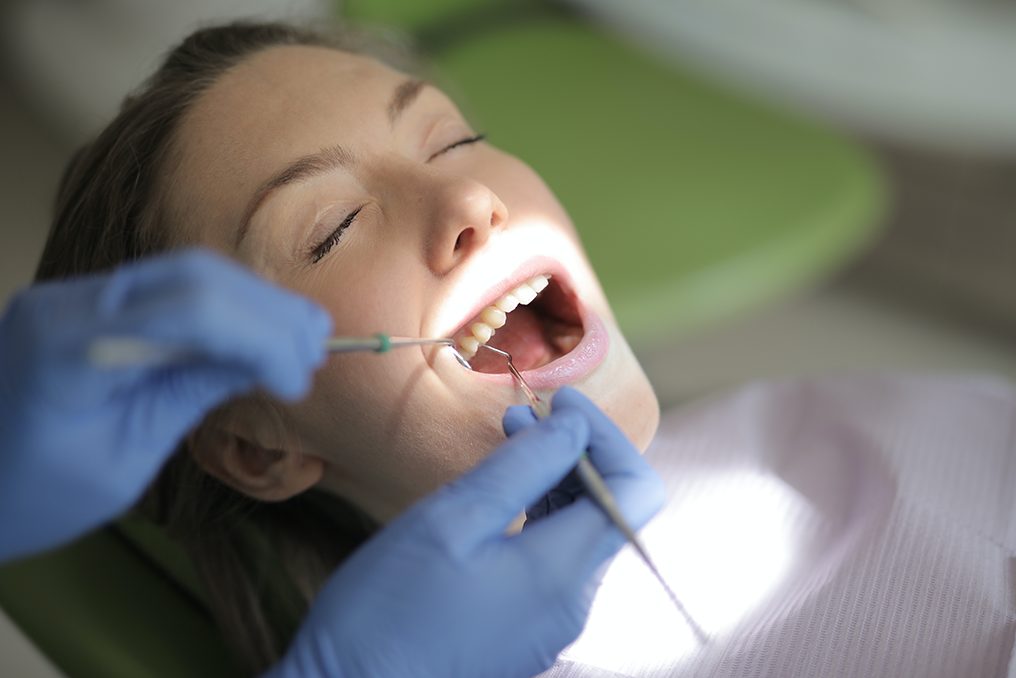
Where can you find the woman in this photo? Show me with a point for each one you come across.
(365, 190)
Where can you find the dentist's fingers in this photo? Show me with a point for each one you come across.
(609, 448)
(200, 303)
(607, 442)
(173, 401)
(480, 505)
(516, 418)
(574, 541)
(581, 530)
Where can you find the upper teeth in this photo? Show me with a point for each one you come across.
(496, 315)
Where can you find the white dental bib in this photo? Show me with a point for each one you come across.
(853, 527)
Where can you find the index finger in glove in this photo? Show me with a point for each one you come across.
(582, 530)
(516, 418)
(570, 544)
(480, 504)
(610, 450)
(197, 302)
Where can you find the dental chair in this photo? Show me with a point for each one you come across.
(694, 205)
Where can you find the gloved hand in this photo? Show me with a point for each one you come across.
(78, 444)
(443, 592)
(565, 492)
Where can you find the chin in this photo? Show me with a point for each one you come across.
(624, 393)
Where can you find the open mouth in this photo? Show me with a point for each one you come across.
(537, 322)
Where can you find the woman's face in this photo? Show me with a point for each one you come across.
(367, 191)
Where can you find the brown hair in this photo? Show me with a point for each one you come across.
(260, 563)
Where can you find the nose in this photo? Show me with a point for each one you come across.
(466, 212)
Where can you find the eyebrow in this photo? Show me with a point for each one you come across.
(301, 169)
(403, 95)
(326, 159)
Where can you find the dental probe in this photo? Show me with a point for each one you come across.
(379, 343)
(113, 352)
(601, 496)
(382, 343)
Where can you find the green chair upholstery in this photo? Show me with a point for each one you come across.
(103, 608)
(694, 204)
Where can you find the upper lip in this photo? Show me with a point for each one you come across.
(495, 286)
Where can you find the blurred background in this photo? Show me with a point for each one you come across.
(766, 189)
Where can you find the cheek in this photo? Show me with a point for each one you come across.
(639, 414)
(364, 297)
(436, 443)
(622, 390)
(391, 430)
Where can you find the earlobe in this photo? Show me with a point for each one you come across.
(259, 472)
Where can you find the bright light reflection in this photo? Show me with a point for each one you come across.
(724, 544)
(498, 260)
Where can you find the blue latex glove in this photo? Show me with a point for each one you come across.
(443, 592)
(79, 444)
(562, 494)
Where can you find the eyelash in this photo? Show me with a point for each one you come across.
(460, 142)
(319, 251)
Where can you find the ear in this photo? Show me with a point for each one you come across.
(263, 473)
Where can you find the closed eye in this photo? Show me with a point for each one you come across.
(460, 142)
(318, 252)
(321, 249)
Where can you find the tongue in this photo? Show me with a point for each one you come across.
(522, 336)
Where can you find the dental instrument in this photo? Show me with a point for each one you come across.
(379, 343)
(129, 352)
(382, 343)
(601, 496)
(113, 352)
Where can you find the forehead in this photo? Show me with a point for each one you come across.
(278, 104)
(281, 88)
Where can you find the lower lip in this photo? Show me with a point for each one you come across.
(572, 366)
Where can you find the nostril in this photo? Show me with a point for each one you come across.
(458, 242)
(498, 212)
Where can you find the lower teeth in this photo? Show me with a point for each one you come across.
(566, 343)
